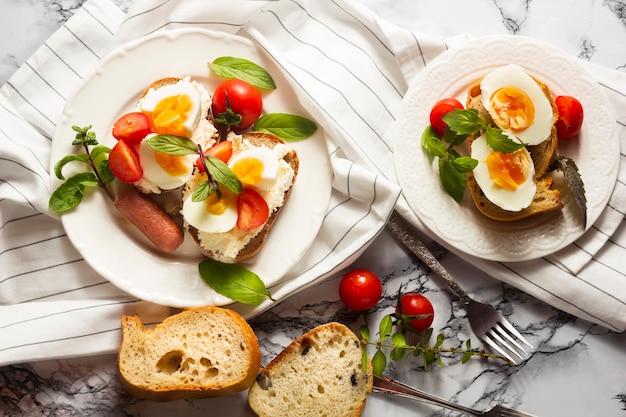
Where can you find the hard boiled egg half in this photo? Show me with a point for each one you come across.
(507, 179)
(517, 104)
(167, 172)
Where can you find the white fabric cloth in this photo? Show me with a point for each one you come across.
(350, 69)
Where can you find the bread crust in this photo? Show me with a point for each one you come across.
(547, 199)
(256, 243)
(150, 381)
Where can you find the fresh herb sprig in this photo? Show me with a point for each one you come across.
(453, 167)
(395, 345)
(234, 281)
(71, 192)
(217, 171)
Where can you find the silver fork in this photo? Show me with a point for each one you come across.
(486, 322)
(389, 386)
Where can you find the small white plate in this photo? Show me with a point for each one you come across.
(112, 246)
(596, 151)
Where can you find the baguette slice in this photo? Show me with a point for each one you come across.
(253, 246)
(547, 199)
(318, 374)
(197, 353)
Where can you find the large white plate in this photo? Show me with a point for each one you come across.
(112, 246)
(596, 151)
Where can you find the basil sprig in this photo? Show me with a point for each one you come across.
(71, 192)
(217, 171)
(453, 167)
(289, 127)
(234, 281)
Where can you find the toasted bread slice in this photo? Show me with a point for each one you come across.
(547, 198)
(253, 241)
(318, 374)
(197, 353)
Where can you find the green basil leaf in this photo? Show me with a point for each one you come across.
(364, 359)
(58, 167)
(242, 69)
(289, 127)
(574, 183)
(223, 174)
(397, 353)
(379, 362)
(385, 327)
(436, 147)
(500, 142)
(105, 172)
(202, 191)
(453, 181)
(365, 332)
(172, 145)
(234, 281)
(99, 151)
(465, 163)
(464, 121)
(399, 339)
(71, 192)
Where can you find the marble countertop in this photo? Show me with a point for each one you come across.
(576, 368)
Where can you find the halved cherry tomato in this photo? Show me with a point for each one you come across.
(570, 116)
(414, 304)
(360, 289)
(441, 108)
(244, 99)
(131, 127)
(124, 162)
(252, 210)
(222, 151)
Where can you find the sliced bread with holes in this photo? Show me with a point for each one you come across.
(197, 353)
(318, 374)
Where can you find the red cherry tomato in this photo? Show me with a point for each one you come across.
(244, 99)
(222, 151)
(441, 108)
(252, 210)
(124, 162)
(570, 116)
(360, 289)
(414, 304)
(131, 127)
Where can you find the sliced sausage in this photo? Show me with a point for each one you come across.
(150, 219)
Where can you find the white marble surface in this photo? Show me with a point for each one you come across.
(576, 369)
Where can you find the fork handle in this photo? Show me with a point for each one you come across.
(385, 385)
(401, 229)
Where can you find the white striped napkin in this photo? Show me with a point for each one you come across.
(351, 70)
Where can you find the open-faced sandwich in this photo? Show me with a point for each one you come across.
(516, 185)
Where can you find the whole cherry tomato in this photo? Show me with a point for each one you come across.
(244, 99)
(131, 127)
(570, 116)
(222, 151)
(252, 210)
(124, 162)
(360, 289)
(414, 304)
(441, 108)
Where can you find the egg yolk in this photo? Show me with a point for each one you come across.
(170, 115)
(171, 164)
(512, 109)
(248, 170)
(217, 205)
(508, 170)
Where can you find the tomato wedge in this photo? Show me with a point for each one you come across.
(222, 151)
(131, 127)
(124, 162)
(252, 210)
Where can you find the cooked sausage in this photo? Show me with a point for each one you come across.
(150, 219)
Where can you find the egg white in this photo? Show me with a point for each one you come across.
(515, 76)
(268, 158)
(511, 200)
(155, 176)
(195, 214)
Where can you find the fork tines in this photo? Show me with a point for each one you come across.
(502, 336)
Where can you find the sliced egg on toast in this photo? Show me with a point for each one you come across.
(506, 179)
(517, 104)
(214, 214)
(165, 171)
(256, 167)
